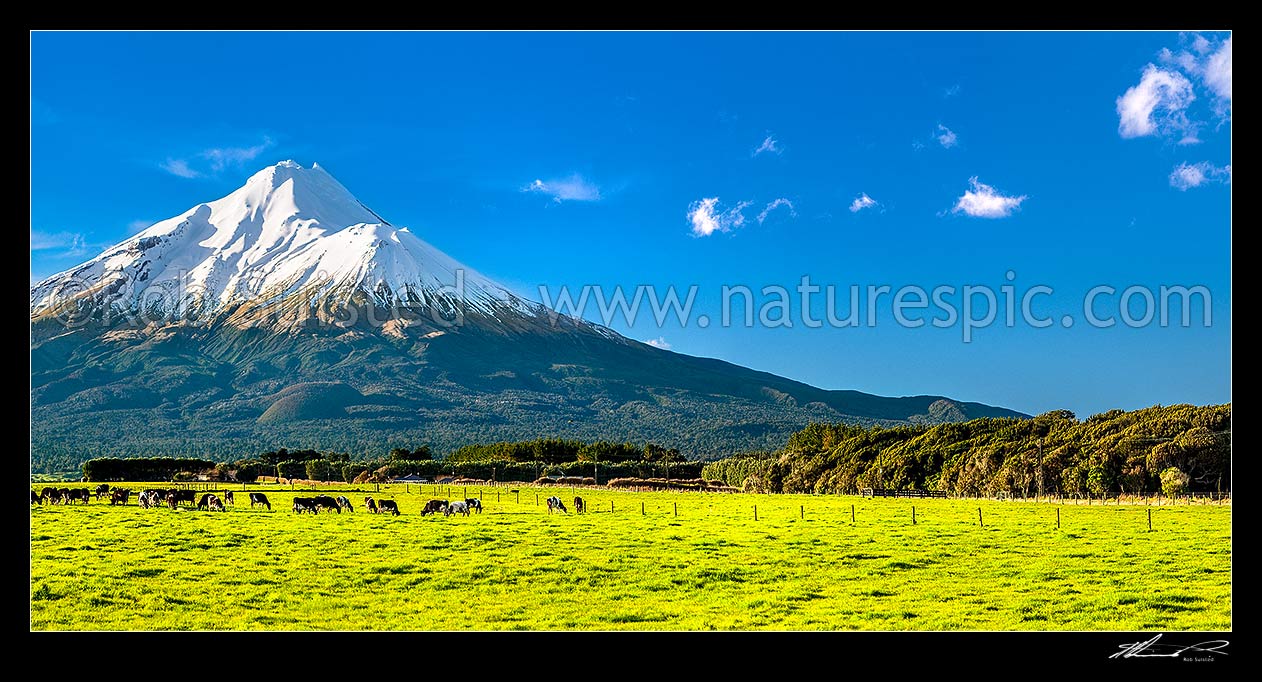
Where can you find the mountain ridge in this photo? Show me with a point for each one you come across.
(185, 334)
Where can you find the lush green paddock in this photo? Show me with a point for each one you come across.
(712, 567)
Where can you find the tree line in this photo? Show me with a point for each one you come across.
(143, 468)
(560, 451)
(1172, 449)
(522, 461)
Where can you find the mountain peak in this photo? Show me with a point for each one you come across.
(287, 229)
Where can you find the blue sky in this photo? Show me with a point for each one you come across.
(647, 158)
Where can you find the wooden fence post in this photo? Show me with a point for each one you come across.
(755, 512)
(1150, 520)
(979, 518)
(852, 513)
(641, 509)
(1058, 518)
(802, 512)
(913, 515)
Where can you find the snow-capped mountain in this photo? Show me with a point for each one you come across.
(288, 314)
(289, 229)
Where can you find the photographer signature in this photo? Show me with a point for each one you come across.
(1151, 649)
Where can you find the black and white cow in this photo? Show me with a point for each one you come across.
(304, 504)
(260, 498)
(344, 503)
(474, 503)
(579, 505)
(388, 507)
(327, 502)
(555, 502)
(370, 505)
(434, 507)
(457, 508)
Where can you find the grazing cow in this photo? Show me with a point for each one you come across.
(204, 503)
(49, 494)
(227, 498)
(328, 503)
(579, 505)
(260, 498)
(188, 496)
(63, 494)
(344, 503)
(388, 507)
(172, 501)
(152, 498)
(555, 502)
(457, 508)
(434, 507)
(143, 499)
(78, 494)
(35, 499)
(304, 504)
(102, 490)
(119, 496)
(370, 505)
(474, 503)
(216, 504)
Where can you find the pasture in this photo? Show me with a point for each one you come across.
(102, 567)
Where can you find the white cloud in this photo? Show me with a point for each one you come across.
(706, 218)
(1217, 75)
(215, 160)
(861, 202)
(223, 157)
(773, 206)
(1210, 63)
(946, 137)
(659, 342)
(179, 168)
(1185, 176)
(1156, 106)
(770, 145)
(984, 201)
(573, 188)
(59, 244)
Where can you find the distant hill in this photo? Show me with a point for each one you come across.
(1110, 453)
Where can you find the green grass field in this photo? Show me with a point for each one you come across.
(712, 567)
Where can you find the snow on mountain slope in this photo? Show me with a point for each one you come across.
(288, 229)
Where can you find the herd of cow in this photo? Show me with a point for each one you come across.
(209, 501)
